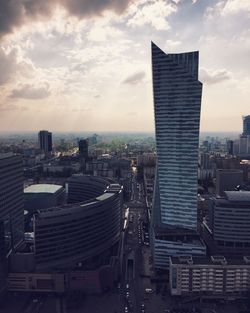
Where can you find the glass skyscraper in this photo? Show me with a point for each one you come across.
(177, 102)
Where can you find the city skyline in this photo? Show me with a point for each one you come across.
(73, 65)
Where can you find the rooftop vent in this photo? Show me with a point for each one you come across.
(218, 259)
(186, 259)
(246, 259)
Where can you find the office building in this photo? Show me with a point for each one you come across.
(81, 239)
(11, 197)
(83, 148)
(226, 228)
(45, 141)
(177, 102)
(215, 277)
(11, 209)
(246, 125)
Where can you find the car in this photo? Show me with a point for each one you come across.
(127, 286)
(126, 309)
(149, 290)
(127, 294)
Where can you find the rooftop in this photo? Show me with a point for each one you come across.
(238, 196)
(42, 188)
(6, 155)
(213, 260)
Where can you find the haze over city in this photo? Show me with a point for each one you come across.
(83, 65)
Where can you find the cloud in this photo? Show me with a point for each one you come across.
(15, 13)
(236, 6)
(28, 91)
(152, 12)
(214, 76)
(172, 44)
(7, 66)
(132, 114)
(135, 78)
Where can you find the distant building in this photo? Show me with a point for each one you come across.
(45, 141)
(215, 277)
(83, 148)
(206, 167)
(230, 147)
(241, 146)
(227, 179)
(177, 103)
(246, 125)
(226, 228)
(43, 196)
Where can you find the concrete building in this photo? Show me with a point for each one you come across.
(45, 141)
(226, 229)
(43, 196)
(11, 209)
(215, 277)
(177, 102)
(227, 179)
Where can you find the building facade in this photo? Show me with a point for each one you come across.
(45, 141)
(215, 277)
(226, 229)
(177, 102)
(246, 125)
(80, 230)
(227, 179)
(11, 208)
(83, 145)
(43, 196)
(11, 197)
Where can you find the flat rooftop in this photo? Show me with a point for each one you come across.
(42, 188)
(241, 196)
(213, 260)
(6, 155)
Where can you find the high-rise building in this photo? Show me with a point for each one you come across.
(11, 196)
(45, 141)
(246, 125)
(11, 208)
(83, 148)
(177, 103)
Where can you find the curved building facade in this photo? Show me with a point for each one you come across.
(228, 231)
(81, 188)
(74, 233)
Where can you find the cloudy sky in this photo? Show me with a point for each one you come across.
(85, 64)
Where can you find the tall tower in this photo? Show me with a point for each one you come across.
(45, 141)
(11, 208)
(177, 102)
(83, 148)
(246, 125)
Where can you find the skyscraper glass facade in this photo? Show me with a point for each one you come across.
(177, 102)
